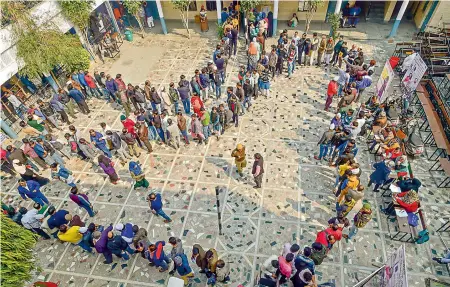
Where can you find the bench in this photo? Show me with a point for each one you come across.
(445, 165)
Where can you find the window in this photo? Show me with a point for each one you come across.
(211, 5)
(193, 6)
(302, 5)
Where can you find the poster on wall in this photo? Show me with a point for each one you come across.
(386, 77)
(414, 74)
(391, 274)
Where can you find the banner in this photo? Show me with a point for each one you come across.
(386, 77)
(414, 74)
(392, 274)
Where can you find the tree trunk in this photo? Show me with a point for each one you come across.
(138, 19)
(187, 23)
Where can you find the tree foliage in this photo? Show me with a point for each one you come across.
(42, 48)
(311, 9)
(17, 260)
(183, 7)
(334, 20)
(248, 5)
(77, 11)
(133, 8)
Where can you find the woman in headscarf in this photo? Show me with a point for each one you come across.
(294, 21)
(409, 200)
(108, 167)
(199, 256)
(138, 175)
(203, 20)
(27, 173)
(253, 54)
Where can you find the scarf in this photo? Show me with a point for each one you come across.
(134, 168)
(410, 197)
(103, 159)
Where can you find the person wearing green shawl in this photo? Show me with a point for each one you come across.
(360, 220)
(138, 175)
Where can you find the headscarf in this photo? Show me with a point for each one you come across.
(410, 197)
(134, 168)
(103, 159)
(20, 168)
(366, 206)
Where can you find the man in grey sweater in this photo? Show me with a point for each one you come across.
(325, 143)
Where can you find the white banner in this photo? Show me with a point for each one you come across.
(414, 74)
(386, 77)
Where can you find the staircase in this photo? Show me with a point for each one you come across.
(376, 10)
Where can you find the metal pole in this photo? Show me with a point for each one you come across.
(218, 210)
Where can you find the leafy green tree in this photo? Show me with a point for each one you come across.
(78, 12)
(247, 6)
(183, 7)
(312, 6)
(17, 259)
(133, 8)
(41, 48)
(334, 20)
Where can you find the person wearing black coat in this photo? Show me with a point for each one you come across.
(117, 245)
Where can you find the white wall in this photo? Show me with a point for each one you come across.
(47, 12)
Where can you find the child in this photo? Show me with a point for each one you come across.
(82, 201)
(137, 175)
(63, 174)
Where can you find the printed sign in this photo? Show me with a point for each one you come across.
(414, 74)
(386, 77)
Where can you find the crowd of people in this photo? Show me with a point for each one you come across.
(156, 116)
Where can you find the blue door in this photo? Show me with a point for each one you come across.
(151, 9)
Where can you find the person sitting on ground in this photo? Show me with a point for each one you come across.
(294, 21)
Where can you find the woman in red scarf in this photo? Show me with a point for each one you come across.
(197, 104)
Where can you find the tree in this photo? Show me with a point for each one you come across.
(183, 7)
(42, 48)
(78, 12)
(247, 6)
(334, 20)
(17, 255)
(133, 8)
(311, 8)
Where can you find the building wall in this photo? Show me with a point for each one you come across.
(388, 9)
(421, 13)
(441, 14)
(285, 10)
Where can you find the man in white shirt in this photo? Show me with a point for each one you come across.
(19, 107)
(32, 221)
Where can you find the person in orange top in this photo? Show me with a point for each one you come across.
(197, 104)
(331, 92)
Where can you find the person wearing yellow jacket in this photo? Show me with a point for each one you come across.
(74, 235)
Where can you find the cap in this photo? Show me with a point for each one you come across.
(119, 227)
(366, 206)
(332, 126)
(336, 78)
(239, 146)
(123, 117)
(338, 116)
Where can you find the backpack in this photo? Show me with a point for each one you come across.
(319, 256)
(424, 236)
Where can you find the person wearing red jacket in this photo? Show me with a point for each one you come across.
(197, 104)
(91, 85)
(409, 200)
(331, 92)
(326, 239)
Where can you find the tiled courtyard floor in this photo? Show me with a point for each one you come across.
(293, 205)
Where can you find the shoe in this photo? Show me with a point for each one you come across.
(172, 272)
(241, 174)
(316, 157)
(167, 221)
(106, 262)
(438, 260)
(257, 186)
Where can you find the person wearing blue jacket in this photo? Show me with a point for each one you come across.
(56, 219)
(126, 231)
(62, 174)
(98, 140)
(30, 189)
(117, 246)
(112, 88)
(78, 97)
(155, 203)
(183, 268)
(157, 256)
(380, 176)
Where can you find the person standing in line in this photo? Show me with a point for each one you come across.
(156, 205)
(123, 95)
(220, 64)
(155, 100)
(321, 50)
(112, 88)
(324, 143)
(196, 130)
(82, 201)
(264, 83)
(78, 97)
(181, 123)
(99, 142)
(32, 220)
(19, 107)
(31, 189)
(47, 111)
(130, 141)
(174, 96)
(199, 257)
(142, 132)
(239, 158)
(118, 246)
(173, 134)
(51, 151)
(177, 249)
(91, 85)
(248, 93)
(328, 51)
(258, 170)
(55, 220)
(56, 104)
(360, 220)
(74, 235)
(157, 256)
(101, 241)
(273, 59)
(116, 146)
(185, 96)
(314, 48)
(181, 264)
(331, 92)
(337, 50)
(62, 174)
(29, 151)
(108, 167)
